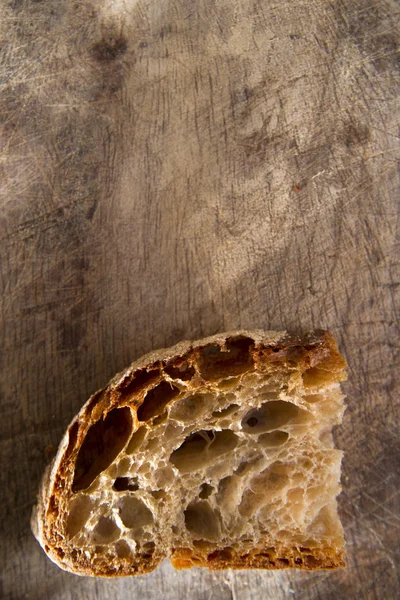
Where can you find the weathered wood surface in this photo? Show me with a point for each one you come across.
(174, 168)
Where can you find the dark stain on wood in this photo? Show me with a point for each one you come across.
(110, 48)
(356, 134)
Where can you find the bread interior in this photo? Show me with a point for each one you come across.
(215, 456)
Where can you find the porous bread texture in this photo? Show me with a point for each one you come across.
(216, 453)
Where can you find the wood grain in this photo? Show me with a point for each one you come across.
(175, 168)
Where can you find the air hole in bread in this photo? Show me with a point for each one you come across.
(305, 463)
(79, 512)
(314, 492)
(295, 495)
(136, 440)
(215, 363)
(142, 380)
(201, 521)
(315, 377)
(134, 513)
(160, 419)
(184, 372)
(274, 478)
(204, 545)
(270, 416)
(229, 493)
(190, 408)
(229, 383)
(268, 393)
(122, 467)
(171, 432)
(164, 476)
(205, 491)
(311, 561)
(123, 484)
(247, 506)
(202, 448)
(156, 400)
(149, 547)
(94, 401)
(152, 445)
(273, 439)
(158, 494)
(224, 412)
(102, 444)
(226, 554)
(248, 466)
(106, 531)
(122, 549)
(144, 469)
(312, 398)
(264, 487)
(225, 423)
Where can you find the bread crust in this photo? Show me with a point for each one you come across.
(274, 348)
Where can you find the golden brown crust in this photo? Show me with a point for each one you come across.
(279, 557)
(314, 356)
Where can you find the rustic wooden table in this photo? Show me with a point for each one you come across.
(175, 168)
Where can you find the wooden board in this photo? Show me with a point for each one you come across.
(175, 168)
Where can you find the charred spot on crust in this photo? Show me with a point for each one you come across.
(102, 444)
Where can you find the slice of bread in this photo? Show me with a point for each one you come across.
(216, 453)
